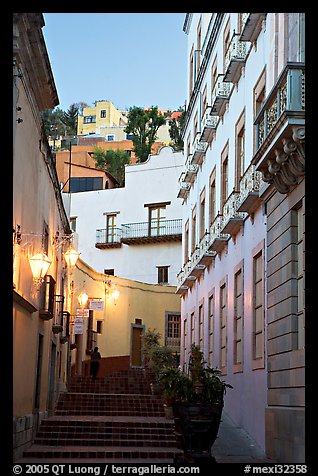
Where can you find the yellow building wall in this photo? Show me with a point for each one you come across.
(113, 117)
(137, 300)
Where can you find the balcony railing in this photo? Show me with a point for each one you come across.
(218, 239)
(199, 149)
(235, 59)
(146, 232)
(208, 125)
(205, 256)
(251, 25)
(287, 97)
(191, 170)
(108, 238)
(249, 190)
(173, 342)
(280, 131)
(184, 187)
(232, 219)
(220, 95)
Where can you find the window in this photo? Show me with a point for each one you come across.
(45, 238)
(259, 93)
(173, 330)
(156, 216)
(163, 274)
(110, 271)
(85, 184)
(201, 329)
(195, 125)
(103, 113)
(226, 41)
(99, 325)
(129, 136)
(199, 35)
(191, 72)
(110, 138)
(239, 150)
(89, 119)
(204, 100)
(214, 73)
(192, 329)
(186, 242)
(185, 333)
(202, 214)
(111, 228)
(223, 327)
(211, 329)
(212, 198)
(238, 320)
(224, 175)
(73, 223)
(258, 309)
(194, 225)
(300, 278)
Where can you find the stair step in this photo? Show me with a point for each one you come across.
(88, 452)
(140, 442)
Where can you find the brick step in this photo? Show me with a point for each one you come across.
(101, 397)
(110, 389)
(107, 452)
(133, 424)
(110, 441)
(107, 432)
(110, 412)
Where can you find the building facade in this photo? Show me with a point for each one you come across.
(99, 118)
(40, 225)
(135, 231)
(117, 316)
(242, 278)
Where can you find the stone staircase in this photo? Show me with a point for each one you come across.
(111, 419)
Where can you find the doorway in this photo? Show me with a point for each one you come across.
(136, 357)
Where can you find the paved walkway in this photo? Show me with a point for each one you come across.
(234, 445)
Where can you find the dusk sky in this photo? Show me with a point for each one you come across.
(131, 59)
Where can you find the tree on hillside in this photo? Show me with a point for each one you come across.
(52, 120)
(175, 130)
(144, 125)
(113, 161)
(70, 119)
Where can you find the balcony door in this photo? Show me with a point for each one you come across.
(156, 221)
(136, 359)
(110, 228)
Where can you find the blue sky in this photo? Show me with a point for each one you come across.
(131, 59)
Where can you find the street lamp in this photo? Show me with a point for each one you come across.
(71, 256)
(39, 265)
(82, 299)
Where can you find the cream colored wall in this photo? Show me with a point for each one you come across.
(148, 302)
(113, 117)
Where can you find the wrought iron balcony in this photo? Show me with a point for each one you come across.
(251, 25)
(156, 231)
(208, 125)
(182, 288)
(173, 342)
(184, 187)
(235, 59)
(205, 256)
(191, 170)
(218, 240)
(280, 130)
(232, 219)
(249, 190)
(199, 149)
(108, 238)
(195, 268)
(220, 95)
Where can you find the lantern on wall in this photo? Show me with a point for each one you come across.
(71, 256)
(39, 265)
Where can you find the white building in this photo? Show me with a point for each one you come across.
(134, 232)
(241, 297)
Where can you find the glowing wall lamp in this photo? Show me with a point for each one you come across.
(39, 265)
(115, 296)
(82, 299)
(71, 256)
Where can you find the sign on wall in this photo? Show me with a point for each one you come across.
(78, 325)
(96, 305)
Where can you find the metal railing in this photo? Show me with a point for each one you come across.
(236, 51)
(108, 235)
(287, 95)
(152, 229)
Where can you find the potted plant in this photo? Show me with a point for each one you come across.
(197, 403)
